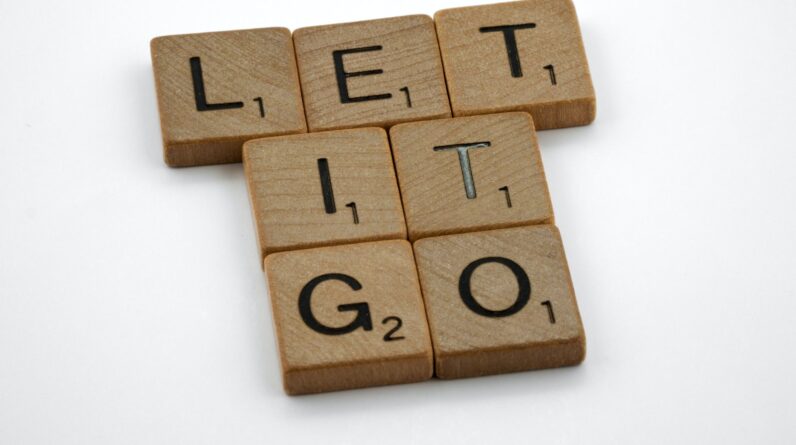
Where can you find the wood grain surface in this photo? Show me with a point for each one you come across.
(237, 67)
(385, 273)
(510, 188)
(550, 78)
(544, 332)
(405, 49)
(288, 194)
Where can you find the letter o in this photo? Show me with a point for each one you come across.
(523, 296)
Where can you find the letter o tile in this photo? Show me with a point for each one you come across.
(499, 301)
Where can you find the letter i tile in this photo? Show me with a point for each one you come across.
(322, 189)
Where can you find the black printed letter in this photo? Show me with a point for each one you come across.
(199, 90)
(342, 75)
(511, 44)
(326, 186)
(305, 309)
(466, 292)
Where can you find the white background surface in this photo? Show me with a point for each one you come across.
(133, 309)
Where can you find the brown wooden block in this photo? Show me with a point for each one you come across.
(321, 189)
(525, 55)
(371, 73)
(470, 173)
(499, 301)
(349, 317)
(216, 90)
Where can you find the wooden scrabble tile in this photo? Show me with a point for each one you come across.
(470, 173)
(349, 317)
(525, 55)
(321, 189)
(217, 90)
(371, 73)
(499, 301)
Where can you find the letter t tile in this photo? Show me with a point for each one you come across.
(470, 173)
